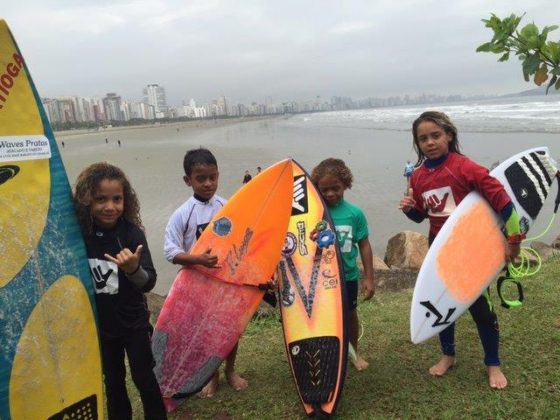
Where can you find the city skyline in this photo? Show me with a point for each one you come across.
(253, 50)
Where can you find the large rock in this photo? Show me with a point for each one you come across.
(545, 251)
(556, 243)
(406, 249)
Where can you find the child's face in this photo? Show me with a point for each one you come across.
(332, 189)
(203, 180)
(108, 203)
(433, 141)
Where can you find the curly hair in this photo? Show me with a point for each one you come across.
(335, 168)
(87, 185)
(441, 120)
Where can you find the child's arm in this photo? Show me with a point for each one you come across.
(513, 231)
(206, 259)
(368, 282)
(408, 206)
(174, 248)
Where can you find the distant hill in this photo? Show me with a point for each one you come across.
(540, 91)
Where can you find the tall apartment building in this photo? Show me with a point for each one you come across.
(154, 95)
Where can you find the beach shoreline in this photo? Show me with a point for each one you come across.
(195, 123)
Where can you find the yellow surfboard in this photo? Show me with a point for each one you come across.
(312, 300)
(51, 364)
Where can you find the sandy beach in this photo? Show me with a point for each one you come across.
(152, 157)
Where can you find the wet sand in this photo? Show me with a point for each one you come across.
(152, 158)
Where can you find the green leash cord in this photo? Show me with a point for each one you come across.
(524, 269)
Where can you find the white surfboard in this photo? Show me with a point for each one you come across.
(468, 252)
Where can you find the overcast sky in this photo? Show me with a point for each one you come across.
(248, 50)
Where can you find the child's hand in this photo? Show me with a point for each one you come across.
(407, 202)
(207, 259)
(126, 260)
(368, 288)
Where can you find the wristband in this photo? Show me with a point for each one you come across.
(516, 238)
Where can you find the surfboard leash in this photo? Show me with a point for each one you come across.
(514, 273)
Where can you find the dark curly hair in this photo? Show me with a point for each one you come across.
(86, 187)
(335, 168)
(441, 120)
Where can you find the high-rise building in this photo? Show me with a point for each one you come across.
(112, 104)
(154, 95)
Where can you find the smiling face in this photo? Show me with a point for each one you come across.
(432, 140)
(203, 180)
(108, 203)
(332, 189)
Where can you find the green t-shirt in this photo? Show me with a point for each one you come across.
(351, 227)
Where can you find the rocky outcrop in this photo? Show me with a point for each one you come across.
(545, 251)
(406, 250)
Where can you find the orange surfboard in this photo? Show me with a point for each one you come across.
(312, 300)
(207, 309)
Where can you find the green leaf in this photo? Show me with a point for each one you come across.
(557, 85)
(531, 63)
(504, 57)
(486, 47)
(529, 30)
(552, 81)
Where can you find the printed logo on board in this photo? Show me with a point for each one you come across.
(301, 234)
(8, 78)
(222, 226)
(299, 201)
(8, 172)
(330, 280)
(290, 245)
(16, 148)
(440, 320)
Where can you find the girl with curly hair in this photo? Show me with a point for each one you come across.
(122, 271)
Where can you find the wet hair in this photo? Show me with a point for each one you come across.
(442, 121)
(200, 156)
(87, 185)
(335, 168)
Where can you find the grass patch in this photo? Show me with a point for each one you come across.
(397, 383)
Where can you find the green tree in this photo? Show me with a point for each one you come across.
(540, 58)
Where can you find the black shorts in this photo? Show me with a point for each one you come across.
(352, 294)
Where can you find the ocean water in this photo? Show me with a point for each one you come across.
(375, 144)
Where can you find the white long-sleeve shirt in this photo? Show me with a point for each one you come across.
(187, 223)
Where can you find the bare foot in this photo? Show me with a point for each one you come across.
(236, 381)
(441, 367)
(496, 377)
(359, 363)
(211, 387)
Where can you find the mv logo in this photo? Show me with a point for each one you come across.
(299, 200)
(437, 314)
(105, 276)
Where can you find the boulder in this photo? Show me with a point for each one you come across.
(545, 251)
(406, 249)
(556, 243)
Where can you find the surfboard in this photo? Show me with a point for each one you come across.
(50, 360)
(207, 309)
(312, 300)
(468, 252)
